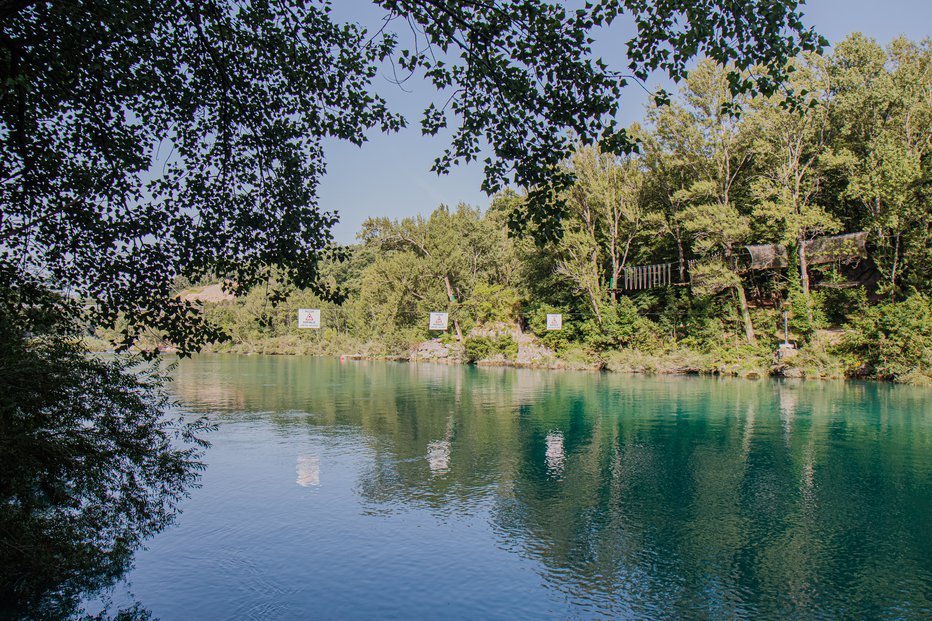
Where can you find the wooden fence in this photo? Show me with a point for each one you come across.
(648, 276)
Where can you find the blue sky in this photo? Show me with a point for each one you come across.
(390, 175)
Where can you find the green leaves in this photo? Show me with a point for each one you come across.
(147, 141)
(167, 139)
(92, 463)
(883, 116)
(894, 341)
(519, 75)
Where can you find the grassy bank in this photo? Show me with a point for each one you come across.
(828, 354)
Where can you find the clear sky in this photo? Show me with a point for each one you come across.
(390, 175)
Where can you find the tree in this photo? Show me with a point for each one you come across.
(709, 157)
(717, 229)
(147, 141)
(669, 174)
(454, 248)
(789, 144)
(613, 187)
(91, 464)
(884, 112)
(604, 215)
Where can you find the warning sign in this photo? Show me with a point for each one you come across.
(554, 321)
(309, 318)
(439, 321)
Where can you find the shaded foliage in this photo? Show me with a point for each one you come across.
(92, 464)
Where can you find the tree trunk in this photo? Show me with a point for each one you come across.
(804, 276)
(615, 270)
(595, 306)
(596, 294)
(456, 323)
(746, 314)
(679, 248)
(896, 257)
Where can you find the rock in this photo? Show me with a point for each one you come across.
(210, 293)
(436, 350)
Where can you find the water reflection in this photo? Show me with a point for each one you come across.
(631, 498)
(308, 470)
(556, 456)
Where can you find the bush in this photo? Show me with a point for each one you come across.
(840, 305)
(800, 325)
(491, 303)
(484, 347)
(557, 340)
(623, 326)
(893, 341)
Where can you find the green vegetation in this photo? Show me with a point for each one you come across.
(704, 185)
(91, 463)
(143, 142)
(894, 341)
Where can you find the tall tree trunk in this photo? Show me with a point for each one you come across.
(595, 306)
(679, 248)
(456, 323)
(804, 276)
(615, 270)
(595, 291)
(896, 257)
(746, 314)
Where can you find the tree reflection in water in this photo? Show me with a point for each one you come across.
(91, 463)
(633, 498)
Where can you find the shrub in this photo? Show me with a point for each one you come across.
(557, 340)
(624, 326)
(492, 303)
(478, 348)
(799, 321)
(894, 341)
(484, 347)
(841, 305)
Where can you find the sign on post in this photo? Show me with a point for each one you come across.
(309, 318)
(439, 321)
(554, 321)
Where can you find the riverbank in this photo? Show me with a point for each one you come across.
(818, 359)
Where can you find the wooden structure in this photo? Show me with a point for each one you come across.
(838, 248)
(648, 276)
(821, 250)
(762, 257)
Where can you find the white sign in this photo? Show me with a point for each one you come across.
(554, 321)
(438, 321)
(309, 318)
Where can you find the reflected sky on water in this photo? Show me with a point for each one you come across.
(364, 490)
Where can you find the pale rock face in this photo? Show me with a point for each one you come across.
(210, 293)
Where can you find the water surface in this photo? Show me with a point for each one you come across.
(365, 490)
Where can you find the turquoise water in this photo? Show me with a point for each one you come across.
(366, 490)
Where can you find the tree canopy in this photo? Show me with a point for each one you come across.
(145, 141)
(696, 244)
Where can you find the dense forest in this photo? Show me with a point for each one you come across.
(682, 256)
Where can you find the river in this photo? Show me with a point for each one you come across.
(374, 490)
